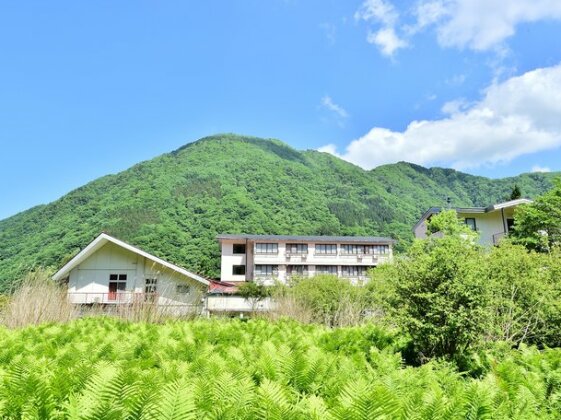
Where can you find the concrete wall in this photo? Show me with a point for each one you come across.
(232, 304)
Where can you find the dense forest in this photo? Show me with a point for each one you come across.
(175, 204)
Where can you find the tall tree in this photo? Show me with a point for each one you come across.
(538, 225)
(516, 193)
(438, 292)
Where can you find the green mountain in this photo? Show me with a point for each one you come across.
(175, 204)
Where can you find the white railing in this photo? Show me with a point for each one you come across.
(118, 297)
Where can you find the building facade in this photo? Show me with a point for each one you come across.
(111, 272)
(270, 258)
(493, 222)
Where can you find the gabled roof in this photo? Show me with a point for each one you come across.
(103, 239)
(320, 238)
(473, 210)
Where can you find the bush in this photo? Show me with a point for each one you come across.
(438, 293)
(324, 299)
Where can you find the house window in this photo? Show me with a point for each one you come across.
(296, 248)
(151, 286)
(117, 284)
(326, 249)
(509, 224)
(239, 249)
(326, 269)
(150, 289)
(238, 270)
(297, 270)
(266, 270)
(262, 248)
(183, 289)
(470, 221)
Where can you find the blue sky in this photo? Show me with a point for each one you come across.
(91, 88)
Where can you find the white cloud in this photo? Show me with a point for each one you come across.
(519, 116)
(428, 13)
(481, 24)
(386, 40)
(455, 106)
(377, 10)
(328, 103)
(538, 168)
(329, 148)
(385, 37)
(456, 80)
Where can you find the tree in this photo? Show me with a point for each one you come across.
(327, 299)
(438, 292)
(448, 223)
(538, 225)
(524, 294)
(515, 194)
(254, 293)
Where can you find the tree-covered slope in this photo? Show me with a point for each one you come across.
(175, 204)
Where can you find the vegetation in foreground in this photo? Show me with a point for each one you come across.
(103, 368)
(456, 331)
(173, 206)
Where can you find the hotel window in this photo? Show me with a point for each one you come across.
(354, 271)
(238, 270)
(263, 248)
(380, 249)
(297, 248)
(239, 249)
(326, 249)
(326, 269)
(297, 270)
(470, 221)
(349, 249)
(266, 270)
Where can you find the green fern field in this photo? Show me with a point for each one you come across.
(101, 368)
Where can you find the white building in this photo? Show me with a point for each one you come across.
(492, 222)
(269, 258)
(109, 272)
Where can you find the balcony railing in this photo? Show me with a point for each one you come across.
(497, 237)
(119, 297)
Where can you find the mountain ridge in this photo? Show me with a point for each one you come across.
(174, 204)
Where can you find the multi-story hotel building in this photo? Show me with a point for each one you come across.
(269, 258)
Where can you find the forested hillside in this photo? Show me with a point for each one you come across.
(175, 204)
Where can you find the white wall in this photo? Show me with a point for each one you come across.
(487, 224)
(89, 282)
(229, 259)
(221, 303)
